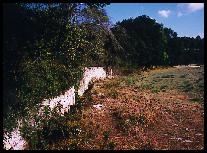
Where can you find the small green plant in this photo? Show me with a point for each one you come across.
(163, 87)
(182, 76)
(185, 86)
(106, 135)
(113, 93)
(105, 143)
(141, 119)
(155, 90)
(130, 81)
(110, 85)
(199, 100)
(111, 145)
(145, 86)
(133, 119)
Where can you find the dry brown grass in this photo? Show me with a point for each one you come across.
(138, 118)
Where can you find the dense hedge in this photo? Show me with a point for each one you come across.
(43, 64)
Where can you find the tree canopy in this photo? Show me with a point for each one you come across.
(146, 42)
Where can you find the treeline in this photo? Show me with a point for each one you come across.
(46, 46)
(145, 43)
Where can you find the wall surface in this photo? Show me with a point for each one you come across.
(16, 142)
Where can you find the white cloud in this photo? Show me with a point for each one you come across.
(187, 8)
(201, 35)
(192, 7)
(179, 14)
(164, 13)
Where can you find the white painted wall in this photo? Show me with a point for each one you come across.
(65, 100)
(92, 73)
(16, 142)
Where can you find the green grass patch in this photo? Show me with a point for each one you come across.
(145, 86)
(182, 76)
(167, 76)
(130, 81)
(155, 89)
(163, 87)
(185, 86)
(113, 93)
(198, 100)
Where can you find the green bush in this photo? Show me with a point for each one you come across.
(44, 79)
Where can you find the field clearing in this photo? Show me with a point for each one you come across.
(159, 109)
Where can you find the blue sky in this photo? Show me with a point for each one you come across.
(187, 19)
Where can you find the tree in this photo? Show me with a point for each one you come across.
(142, 39)
(46, 50)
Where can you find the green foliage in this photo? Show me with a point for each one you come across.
(111, 84)
(43, 60)
(145, 42)
(130, 80)
(185, 86)
(141, 39)
(183, 76)
(111, 145)
(163, 87)
(44, 79)
(141, 119)
(167, 76)
(155, 89)
(106, 135)
(10, 121)
(113, 93)
(145, 86)
(133, 119)
(165, 58)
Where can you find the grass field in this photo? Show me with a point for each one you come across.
(159, 109)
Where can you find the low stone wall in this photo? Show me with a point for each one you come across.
(65, 101)
(16, 142)
(92, 73)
